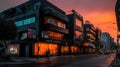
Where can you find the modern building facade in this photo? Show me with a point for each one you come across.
(41, 27)
(89, 37)
(75, 27)
(106, 41)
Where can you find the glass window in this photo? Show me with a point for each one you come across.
(78, 23)
(24, 36)
(41, 48)
(19, 23)
(32, 20)
(14, 49)
(54, 21)
(52, 35)
(77, 33)
(45, 34)
(25, 22)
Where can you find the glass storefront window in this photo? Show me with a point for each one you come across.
(41, 48)
(14, 49)
(23, 36)
(64, 49)
(74, 49)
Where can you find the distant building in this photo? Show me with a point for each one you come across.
(89, 37)
(75, 27)
(106, 41)
(98, 33)
(41, 27)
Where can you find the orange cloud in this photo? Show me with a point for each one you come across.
(104, 20)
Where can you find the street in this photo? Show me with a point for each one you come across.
(70, 61)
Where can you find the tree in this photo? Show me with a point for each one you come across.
(8, 30)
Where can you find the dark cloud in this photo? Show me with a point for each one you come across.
(81, 5)
(5, 4)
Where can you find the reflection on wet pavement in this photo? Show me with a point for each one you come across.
(71, 61)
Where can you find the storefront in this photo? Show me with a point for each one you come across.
(41, 48)
(14, 49)
(88, 48)
(74, 49)
(64, 50)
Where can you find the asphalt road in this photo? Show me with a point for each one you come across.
(70, 61)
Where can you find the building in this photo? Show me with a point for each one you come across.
(75, 27)
(98, 33)
(106, 41)
(41, 27)
(117, 11)
(89, 37)
(2, 48)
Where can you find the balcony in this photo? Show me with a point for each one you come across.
(55, 28)
(78, 28)
(57, 14)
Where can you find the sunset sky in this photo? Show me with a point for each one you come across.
(99, 12)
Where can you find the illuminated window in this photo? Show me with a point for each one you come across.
(41, 48)
(74, 49)
(23, 36)
(77, 33)
(91, 36)
(64, 49)
(86, 44)
(14, 49)
(52, 35)
(78, 23)
(54, 21)
(19, 23)
(60, 24)
(25, 22)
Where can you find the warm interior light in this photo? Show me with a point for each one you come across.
(41, 48)
(86, 44)
(64, 49)
(74, 49)
(13, 49)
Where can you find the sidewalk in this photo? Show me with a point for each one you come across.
(116, 62)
